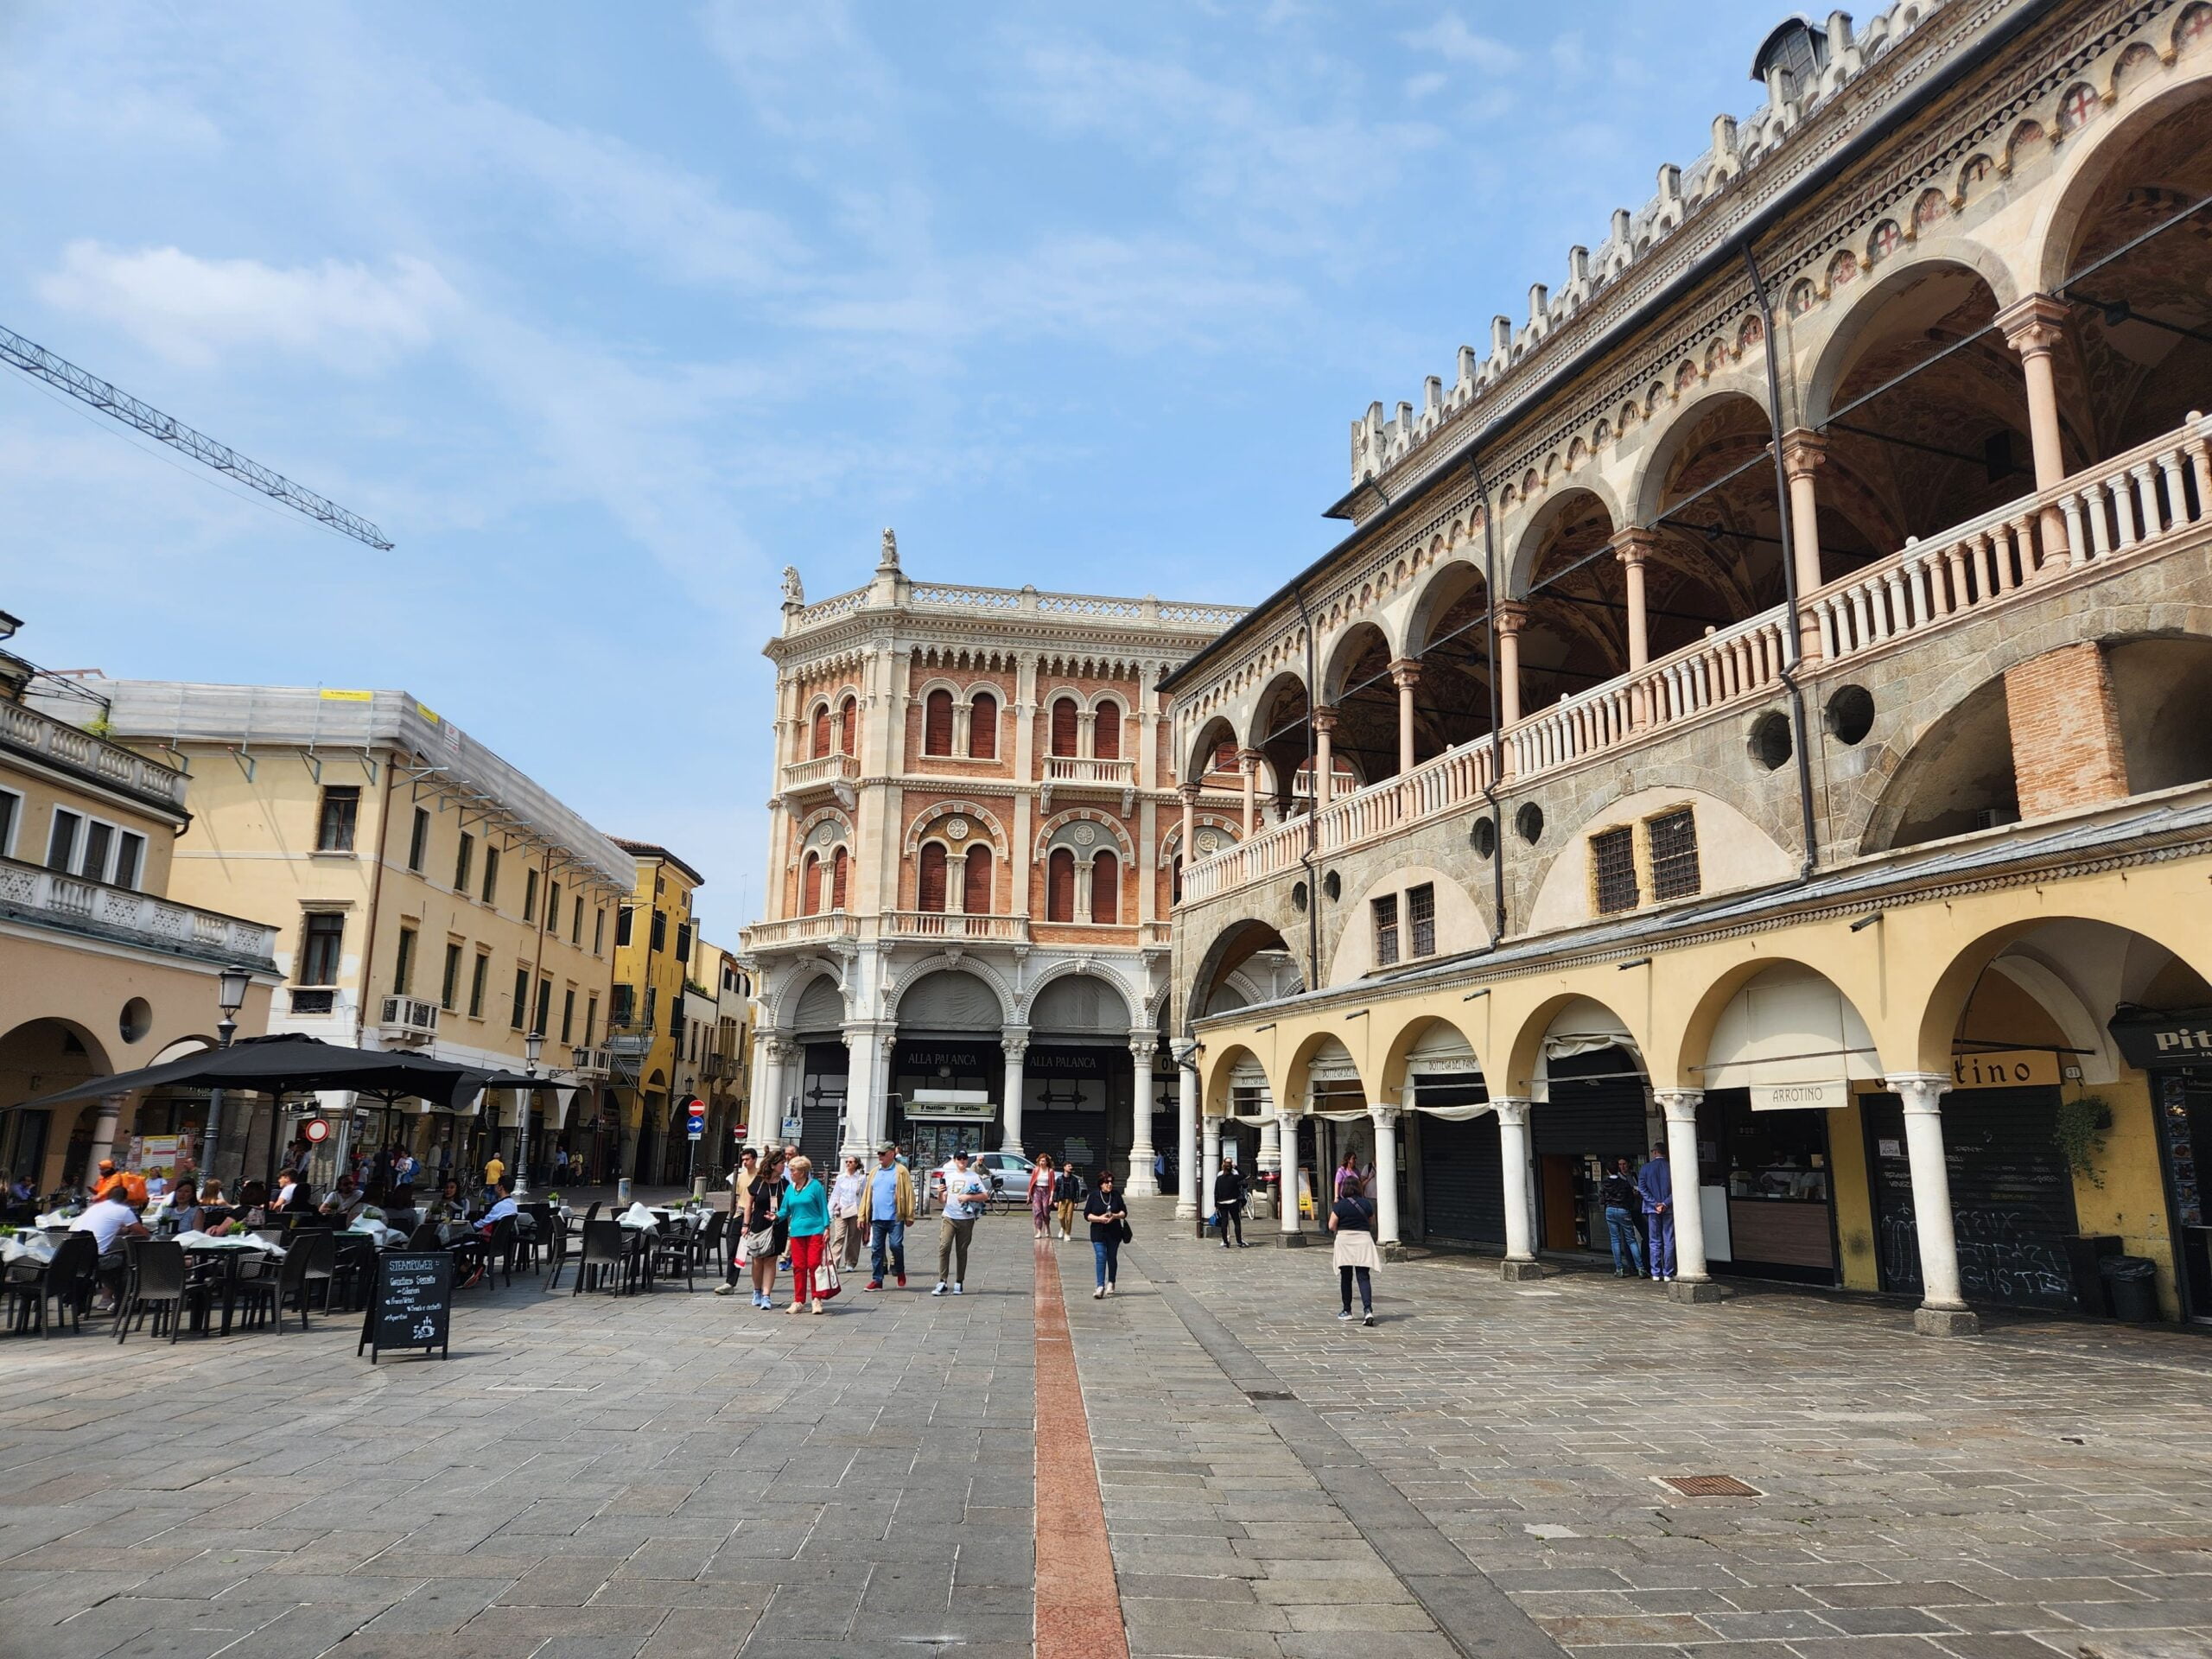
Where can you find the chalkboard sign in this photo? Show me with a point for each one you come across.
(412, 1303)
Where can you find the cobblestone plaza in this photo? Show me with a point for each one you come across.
(1480, 1473)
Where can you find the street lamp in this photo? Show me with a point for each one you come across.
(533, 1046)
(230, 996)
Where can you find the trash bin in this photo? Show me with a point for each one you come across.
(2132, 1285)
(2084, 1253)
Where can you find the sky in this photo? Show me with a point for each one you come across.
(605, 315)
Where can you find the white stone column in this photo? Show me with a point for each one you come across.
(1405, 674)
(1513, 1155)
(767, 1114)
(1385, 1175)
(1017, 1045)
(863, 1088)
(106, 1116)
(1692, 1283)
(1143, 1183)
(1942, 1310)
(1186, 1138)
(1286, 1129)
(1325, 760)
(1248, 761)
(1208, 1162)
(1270, 1154)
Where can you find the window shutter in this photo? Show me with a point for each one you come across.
(983, 728)
(1060, 885)
(976, 889)
(937, 723)
(811, 900)
(1105, 888)
(1106, 736)
(851, 712)
(820, 745)
(929, 881)
(838, 862)
(1064, 726)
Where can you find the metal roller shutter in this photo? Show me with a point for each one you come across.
(2011, 1195)
(1462, 1173)
(1596, 1106)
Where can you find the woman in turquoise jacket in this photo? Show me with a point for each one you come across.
(806, 1215)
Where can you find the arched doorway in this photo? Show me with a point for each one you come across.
(948, 1067)
(50, 1146)
(811, 1115)
(1077, 1075)
(1592, 1106)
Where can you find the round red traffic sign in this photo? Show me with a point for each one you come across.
(316, 1130)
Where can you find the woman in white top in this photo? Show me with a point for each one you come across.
(847, 1229)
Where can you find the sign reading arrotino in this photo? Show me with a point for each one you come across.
(2176, 1037)
(1830, 1095)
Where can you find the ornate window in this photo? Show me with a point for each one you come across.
(1060, 885)
(936, 722)
(1064, 726)
(983, 728)
(1106, 737)
(819, 744)
(849, 719)
(975, 881)
(1105, 888)
(929, 880)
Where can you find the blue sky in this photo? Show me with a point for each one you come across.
(605, 315)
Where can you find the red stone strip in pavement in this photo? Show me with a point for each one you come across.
(1078, 1604)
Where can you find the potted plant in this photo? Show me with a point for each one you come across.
(2079, 1132)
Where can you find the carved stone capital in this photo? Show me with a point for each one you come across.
(1512, 616)
(1406, 672)
(1635, 545)
(2033, 324)
(1803, 453)
(1324, 720)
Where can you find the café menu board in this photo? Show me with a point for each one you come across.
(411, 1306)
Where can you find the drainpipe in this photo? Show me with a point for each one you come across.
(1314, 817)
(1497, 741)
(1791, 644)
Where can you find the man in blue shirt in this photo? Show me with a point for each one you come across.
(890, 1203)
(1656, 1182)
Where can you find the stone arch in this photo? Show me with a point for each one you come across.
(1647, 483)
(1330, 1051)
(1735, 851)
(925, 826)
(1233, 944)
(1519, 565)
(950, 962)
(1049, 836)
(1400, 1040)
(783, 1010)
(1098, 973)
(1198, 756)
(1572, 593)
(1524, 1053)
(1359, 639)
(1682, 1062)
(1220, 1069)
(1901, 271)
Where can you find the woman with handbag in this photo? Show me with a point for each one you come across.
(1350, 1218)
(1110, 1225)
(806, 1213)
(1041, 1181)
(763, 1207)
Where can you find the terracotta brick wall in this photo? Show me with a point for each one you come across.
(2066, 750)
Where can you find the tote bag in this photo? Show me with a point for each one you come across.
(826, 1283)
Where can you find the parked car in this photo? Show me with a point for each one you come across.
(1006, 1172)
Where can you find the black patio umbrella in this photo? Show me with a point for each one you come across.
(290, 1063)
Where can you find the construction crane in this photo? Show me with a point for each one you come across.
(36, 361)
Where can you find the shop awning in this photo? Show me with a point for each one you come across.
(1793, 1041)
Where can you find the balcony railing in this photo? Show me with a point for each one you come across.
(407, 1020)
(1084, 769)
(795, 929)
(145, 919)
(821, 772)
(1155, 936)
(76, 750)
(2115, 510)
(589, 1062)
(952, 925)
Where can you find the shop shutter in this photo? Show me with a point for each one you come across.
(821, 736)
(838, 862)
(810, 901)
(975, 886)
(937, 723)
(1462, 1172)
(1060, 885)
(1105, 888)
(1064, 726)
(1106, 736)
(983, 728)
(1596, 1106)
(2011, 1196)
(851, 713)
(930, 877)
(821, 1007)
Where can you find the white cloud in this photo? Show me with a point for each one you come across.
(193, 310)
(1450, 39)
(807, 71)
(1421, 85)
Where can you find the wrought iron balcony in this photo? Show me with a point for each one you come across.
(407, 1020)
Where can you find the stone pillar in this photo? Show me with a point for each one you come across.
(1269, 1155)
(1513, 1154)
(1803, 454)
(1016, 1043)
(1209, 1163)
(863, 1090)
(1386, 1177)
(1189, 793)
(1287, 1133)
(1944, 1310)
(106, 1116)
(1633, 547)
(1186, 1138)
(1405, 675)
(767, 1122)
(2033, 326)
(1143, 1183)
(1692, 1281)
(1512, 617)
(1248, 762)
(1324, 764)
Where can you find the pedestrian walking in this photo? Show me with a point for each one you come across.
(966, 1194)
(762, 1221)
(1110, 1220)
(847, 1225)
(1623, 1220)
(1348, 1176)
(890, 1207)
(1067, 1192)
(1656, 1183)
(734, 1257)
(1041, 1180)
(806, 1221)
(1351, 1218)
(1228, 1203)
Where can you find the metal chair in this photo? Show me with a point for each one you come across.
(499, 1248)
(671, 1255)
(262, 1289)
(66, 1281)
(607, 1251)
(321, 1250)
(707, 1240)
(157, 1283)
